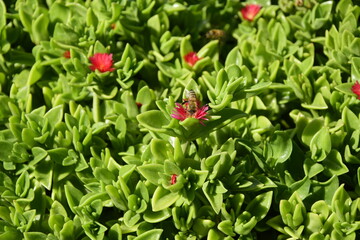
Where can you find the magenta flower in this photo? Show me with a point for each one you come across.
(181, 113)
(356, 89)
(67, 54)
(250, 11)
(102, 62)
(173, 179)
(191, 58)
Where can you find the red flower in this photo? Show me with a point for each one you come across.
(67, 54)
(173, 179)
(191, 58)
(102, 62)
(181, 113)
(138, 104)
(249, 11)
(356, 89)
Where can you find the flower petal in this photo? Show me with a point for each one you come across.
(250, 11)
(191, 58)
(102, 62)
(356, 89)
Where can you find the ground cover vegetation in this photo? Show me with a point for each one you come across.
(154, 119)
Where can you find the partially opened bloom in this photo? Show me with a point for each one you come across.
(102, 62)
(191, 58)
(356, 89)
(250, 11)
(173, 179)
(67, 54)
(181, 113)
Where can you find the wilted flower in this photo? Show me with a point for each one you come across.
(191, 58)
(249, 11)
(181, 113)
(67, 54)
(102, 62)
(173, 179)
(356, 89)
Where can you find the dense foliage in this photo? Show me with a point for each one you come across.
(96, 139)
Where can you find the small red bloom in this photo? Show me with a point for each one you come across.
(113, 26)
(249, 11)
(182, 113)
(356, 89)
(191, 58)
(138, 104)
(67, 54)
(173, 179)
(102, 62)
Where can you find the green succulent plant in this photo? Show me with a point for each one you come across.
(99, 139)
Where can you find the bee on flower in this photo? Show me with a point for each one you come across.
(191, 108)
(191, 103)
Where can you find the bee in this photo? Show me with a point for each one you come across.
(191, 103)
(215, 34)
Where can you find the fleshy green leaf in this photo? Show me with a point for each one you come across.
(214, 194)
(73, 197)
(260, 205)
(163, 199)
(153, 120)
(151, 172)
(152, 234)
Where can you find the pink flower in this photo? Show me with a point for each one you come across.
(67, 54)
(191, 58)
(356, 89)
(249, 11)
(102, 62)
(173, 179)
(181, 113)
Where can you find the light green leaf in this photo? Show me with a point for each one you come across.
(163, 199)
(260, 205)
(151, 172)
(153, 120)
(214, 194)
(73, 196)
(280, 148)
(320, 144)
(234, 57)
(153, 234)
(333, 164)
